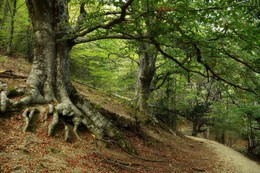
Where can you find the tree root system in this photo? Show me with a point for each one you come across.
(75, 110)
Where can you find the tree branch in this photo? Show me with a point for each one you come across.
(117, 54)
(164, 78)
(215, 75)
(157, 67)
(245, 40)
(158, 47)
(239, 60)
(122, 16)
(119, 36)
(224, 7)
(110, 24)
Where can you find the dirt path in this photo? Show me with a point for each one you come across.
(230, 161)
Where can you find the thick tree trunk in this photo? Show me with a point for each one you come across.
(50, 71)
(146, 73)
(49, 79)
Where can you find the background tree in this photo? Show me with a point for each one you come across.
(15, 32)
(12, 13)
(95, 63)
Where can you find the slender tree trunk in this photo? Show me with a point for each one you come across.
(9, 49)
(172, 103)
(220, 136)
(195, 130)
(147, 59)
(146, 73)
(29, 45)
(5, 11)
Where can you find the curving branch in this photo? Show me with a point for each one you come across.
(117, 54)
(108, 25)
(119, 36)
(199, 59)
(239, 60)
(215, 75)
(163, 77)
(121, 17)
(158, 47)
(245, 40)
(209, 69)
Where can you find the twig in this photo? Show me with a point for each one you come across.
(114, 161)
(138, 157)
(199, 169)
(9, 74)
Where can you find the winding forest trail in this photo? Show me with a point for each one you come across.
(230, 161)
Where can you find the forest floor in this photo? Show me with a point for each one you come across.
(159, 150)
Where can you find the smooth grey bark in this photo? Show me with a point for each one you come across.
(146, 71)
(147, 59)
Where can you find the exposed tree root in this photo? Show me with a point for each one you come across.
(4, 100)
(67, 132)
(33, 97)
(50, 111)
(28, 115)
(74, 110)
(53, 124)
(116, 161)
(134, 155)
(76, 122)
(99, 125)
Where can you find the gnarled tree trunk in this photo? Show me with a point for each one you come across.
(50, 71)
(49, 79)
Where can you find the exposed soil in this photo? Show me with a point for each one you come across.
(230, 160)
(159, 151)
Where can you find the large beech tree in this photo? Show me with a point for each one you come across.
(49, 81)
